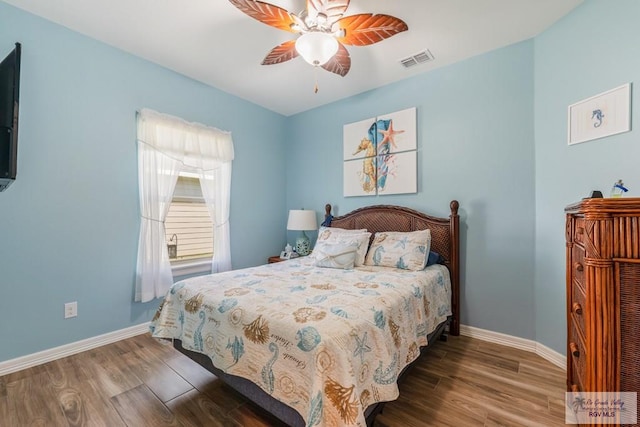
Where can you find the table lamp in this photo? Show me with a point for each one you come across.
(301, 220)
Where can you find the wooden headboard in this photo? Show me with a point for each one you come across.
(445, 237)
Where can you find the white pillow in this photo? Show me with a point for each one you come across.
(336, 255)
(335, 230)
(408, 251)
(329, 237)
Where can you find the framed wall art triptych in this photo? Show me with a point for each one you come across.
(380, 155)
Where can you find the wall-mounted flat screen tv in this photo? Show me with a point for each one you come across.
(9, 108)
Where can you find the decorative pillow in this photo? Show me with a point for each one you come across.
(361, 239)
(326, 231)
(408, 251)
(337, 255)
(434, 258)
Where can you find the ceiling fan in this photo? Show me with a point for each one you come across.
(323, 31)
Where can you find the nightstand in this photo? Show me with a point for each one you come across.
(276, 258)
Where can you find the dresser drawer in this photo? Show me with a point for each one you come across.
(578, 306)
(577, 264)
(578, 357)
(575, 381)
(578, 230)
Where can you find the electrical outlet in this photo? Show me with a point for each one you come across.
(70, 309)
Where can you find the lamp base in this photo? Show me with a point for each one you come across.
(303, 245)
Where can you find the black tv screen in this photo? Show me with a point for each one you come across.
(9, 108)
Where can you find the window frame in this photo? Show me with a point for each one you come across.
(191, 266)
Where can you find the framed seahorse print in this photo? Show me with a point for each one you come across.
(599, 116)
(380, 155)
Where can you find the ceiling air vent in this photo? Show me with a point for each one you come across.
(417, 59)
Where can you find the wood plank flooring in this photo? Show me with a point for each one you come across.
(142, 382)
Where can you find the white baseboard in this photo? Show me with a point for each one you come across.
(28, 361)
(45, 356)
(552, 356)
(520, 343)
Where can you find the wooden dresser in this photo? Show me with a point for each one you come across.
(603, 295)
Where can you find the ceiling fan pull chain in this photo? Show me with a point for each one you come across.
(315, 75)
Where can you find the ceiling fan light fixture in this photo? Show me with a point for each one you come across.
(316, 47)
(324, 31)
(321, 19)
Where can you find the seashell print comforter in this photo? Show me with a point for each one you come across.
(324, 341)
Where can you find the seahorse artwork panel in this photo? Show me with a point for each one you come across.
(360, 178)
(358, 139)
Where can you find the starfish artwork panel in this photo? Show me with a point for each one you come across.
(397, 132)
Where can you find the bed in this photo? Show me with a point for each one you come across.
(320, 346)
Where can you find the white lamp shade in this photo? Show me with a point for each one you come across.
(302, 220)
(317, 48)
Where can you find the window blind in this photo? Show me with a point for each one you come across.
(189, 220)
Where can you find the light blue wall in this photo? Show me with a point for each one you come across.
(475, 144)
(593, 49)
(69, 224)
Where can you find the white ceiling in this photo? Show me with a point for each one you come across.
(213, 42)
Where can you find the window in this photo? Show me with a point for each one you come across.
(168, 148)
(188, 224)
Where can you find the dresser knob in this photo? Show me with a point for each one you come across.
(577, 308)
(580, 230)
(575, 388)
(578, 266)
(574, 349)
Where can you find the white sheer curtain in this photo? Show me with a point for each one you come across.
(216, 190)
(168, 145)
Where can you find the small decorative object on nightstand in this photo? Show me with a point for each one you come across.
(301, 220)
(286, 254)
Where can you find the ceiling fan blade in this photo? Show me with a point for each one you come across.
(281, 53)
(340, 63)
(266, 13)
(365, 29)
(334, 9)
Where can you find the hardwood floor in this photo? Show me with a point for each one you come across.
(142, 382)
